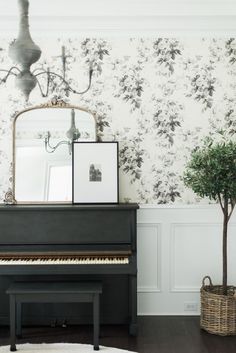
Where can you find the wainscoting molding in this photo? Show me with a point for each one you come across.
(178, 246)
(149, 249)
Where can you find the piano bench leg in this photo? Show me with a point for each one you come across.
(96, 322)
(12, 323)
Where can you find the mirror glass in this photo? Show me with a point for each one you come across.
(42, 152)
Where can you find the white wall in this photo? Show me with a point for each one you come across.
(177, 247)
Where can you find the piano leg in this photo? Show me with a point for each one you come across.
(12, 323)
(133, 326)
(18, 320)
(96, 323)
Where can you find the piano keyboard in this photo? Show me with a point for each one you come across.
(66, 261)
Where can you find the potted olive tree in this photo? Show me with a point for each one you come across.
(211, 172)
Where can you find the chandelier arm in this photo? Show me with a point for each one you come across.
(37, 69)
(47, 150)
(53, 148)
(89, 84)
(12, 68)
(47, 144)
(61, 143)
(40, 88)
(9, 72)
(48, 81)
(67, 84)
(41, 73)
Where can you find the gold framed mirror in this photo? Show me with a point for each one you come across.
(42, 160)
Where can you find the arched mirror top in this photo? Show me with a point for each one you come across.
(42, 145)
(54, 112)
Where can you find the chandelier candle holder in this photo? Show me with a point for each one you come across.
(24, 52)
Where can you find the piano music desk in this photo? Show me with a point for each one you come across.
(48, 292)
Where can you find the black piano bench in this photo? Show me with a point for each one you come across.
(52, 292)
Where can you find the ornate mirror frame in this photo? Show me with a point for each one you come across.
(54, 103)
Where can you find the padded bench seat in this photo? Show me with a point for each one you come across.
(52, 292)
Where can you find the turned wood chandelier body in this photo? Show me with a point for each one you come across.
(24, 52)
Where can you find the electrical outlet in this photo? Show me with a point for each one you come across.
(190, 306)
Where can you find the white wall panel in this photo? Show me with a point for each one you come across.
(185, 243)
(149, 257)
(196, 250)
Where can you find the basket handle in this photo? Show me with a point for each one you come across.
(209, 279)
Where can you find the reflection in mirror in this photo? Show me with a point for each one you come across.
(42, 152)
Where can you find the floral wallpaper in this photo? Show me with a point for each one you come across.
(158, 97)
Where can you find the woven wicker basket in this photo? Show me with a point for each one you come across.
(218, 311)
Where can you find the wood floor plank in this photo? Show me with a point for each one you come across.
(157, 334)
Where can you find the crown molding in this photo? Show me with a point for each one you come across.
(57, 8)
(126, 26)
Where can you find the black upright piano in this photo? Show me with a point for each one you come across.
(71, 242)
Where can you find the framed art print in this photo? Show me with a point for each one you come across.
(95, 172)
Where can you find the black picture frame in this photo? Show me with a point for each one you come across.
(95, 174)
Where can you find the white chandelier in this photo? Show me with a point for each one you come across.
(24, 52)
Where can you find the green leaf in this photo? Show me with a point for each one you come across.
(211, 170)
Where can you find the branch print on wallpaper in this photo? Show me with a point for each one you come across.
(158, 97)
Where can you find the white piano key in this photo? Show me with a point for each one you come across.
(71, 261)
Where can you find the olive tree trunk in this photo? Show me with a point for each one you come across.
(225, 232)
